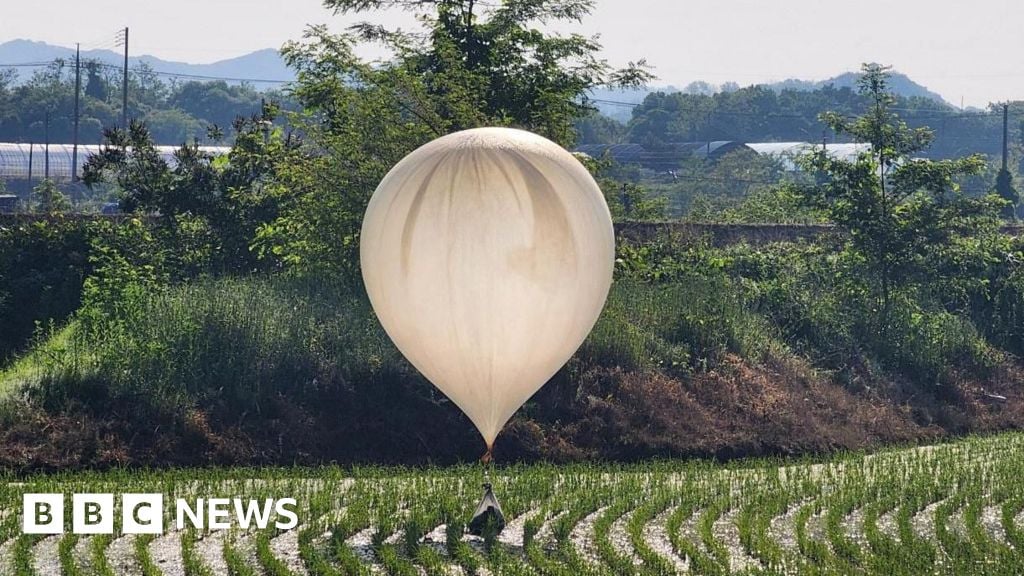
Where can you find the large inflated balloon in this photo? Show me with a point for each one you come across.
(487, 255)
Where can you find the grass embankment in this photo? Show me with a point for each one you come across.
(755, 355)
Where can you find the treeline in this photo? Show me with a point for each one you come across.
(175, 112)
(763, 114)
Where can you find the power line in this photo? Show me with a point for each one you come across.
(918, 113)
(146, 70)
(29, 64)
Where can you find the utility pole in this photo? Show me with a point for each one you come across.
(1006, 135)
(78, 90)
(124, 84)
(46, 147)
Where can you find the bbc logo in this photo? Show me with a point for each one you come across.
(92, 513)
(144, 513)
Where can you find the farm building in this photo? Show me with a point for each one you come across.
(661, 158)
(668, 157)
(788, 152)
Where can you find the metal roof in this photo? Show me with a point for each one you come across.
(668, 156)
(788, 152)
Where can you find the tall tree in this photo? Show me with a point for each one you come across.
(95, 85)
(900, 211)
(1005, 189)
(474, 64)
(478, 63)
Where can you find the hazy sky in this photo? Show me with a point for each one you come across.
(970, 50)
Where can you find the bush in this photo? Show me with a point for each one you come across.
(227, 345)
(43, 264)
(678, 327)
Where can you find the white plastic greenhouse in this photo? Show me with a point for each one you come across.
(29, 161)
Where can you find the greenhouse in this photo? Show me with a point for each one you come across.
(668, 156)
(788, 152)
(38, 161)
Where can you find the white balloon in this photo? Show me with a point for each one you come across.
(487, 255)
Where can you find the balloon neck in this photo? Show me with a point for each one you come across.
(488, 456)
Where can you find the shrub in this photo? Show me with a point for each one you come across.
(43, 264)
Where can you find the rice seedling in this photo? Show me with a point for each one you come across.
(951, 508)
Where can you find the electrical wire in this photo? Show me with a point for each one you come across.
(138, 69)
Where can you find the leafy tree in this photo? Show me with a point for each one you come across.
(174, 112)
(700, 87)
(764, 114)
(473, 65)
(901, 213)
(477, 65)
(209, 208)
(626, 200)
(596, 128)
(766, 205)
(47, 198)
(42, 266)
(215, 102)
(95, 85)
(1005, 189)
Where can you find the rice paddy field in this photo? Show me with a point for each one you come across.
(955, 508)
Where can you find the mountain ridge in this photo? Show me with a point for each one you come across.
(267, 69)
(265, 66)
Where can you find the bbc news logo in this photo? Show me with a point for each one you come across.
(144, 513)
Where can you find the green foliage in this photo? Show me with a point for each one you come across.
(740, 186)
(626, 200)
(763, 114)
(767, 204)
(473, 66)
(208, 208)
(899, 211)
(596, 128)
(1005, 189)
(479, 65)
(813, 300)
(175, 112)
(48, 199)
(43, 264)
(126, 261)
(685, 326)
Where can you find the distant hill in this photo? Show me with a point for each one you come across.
(263, 64)
(267, 64)
(617, 103)
(899, 83)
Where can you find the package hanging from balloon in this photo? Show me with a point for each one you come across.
(488, 515)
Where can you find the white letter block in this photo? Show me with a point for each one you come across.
(42, 513)
(142, 513)
(92, 513)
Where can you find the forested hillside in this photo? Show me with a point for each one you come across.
(764, 114)
(42, 107)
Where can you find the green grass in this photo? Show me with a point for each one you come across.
(45, 358)
(237, 341)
